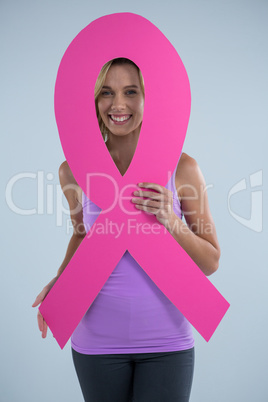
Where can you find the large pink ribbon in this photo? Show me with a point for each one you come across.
(166, 115)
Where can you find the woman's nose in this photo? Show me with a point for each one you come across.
(118, 103)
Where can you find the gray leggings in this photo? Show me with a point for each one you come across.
(135, 377)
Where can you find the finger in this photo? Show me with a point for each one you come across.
(162, 191)
(40, 297)
(154, 207)
(145, 208)
(154, 186)
(152, 204)
(40, 321)
(42, 324)
(164, 199)
(149, 194)
(44, 332)
(37, 301)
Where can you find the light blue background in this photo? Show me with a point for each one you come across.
(223, 45)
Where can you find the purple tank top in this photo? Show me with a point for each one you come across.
(130, 313)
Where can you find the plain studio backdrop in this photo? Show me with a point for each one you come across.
(223, 45)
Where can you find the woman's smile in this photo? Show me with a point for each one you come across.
(120, 119)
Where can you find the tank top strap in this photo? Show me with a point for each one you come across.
(171, 185)
(85, 201)
(83, 198)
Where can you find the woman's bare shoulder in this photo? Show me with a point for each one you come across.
(68, 183)
(65, 172)
(185, 173)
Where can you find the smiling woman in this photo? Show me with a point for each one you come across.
(132, 340)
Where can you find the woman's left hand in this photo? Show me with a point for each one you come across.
(158, 202)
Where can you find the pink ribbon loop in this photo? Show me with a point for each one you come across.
(166, 115)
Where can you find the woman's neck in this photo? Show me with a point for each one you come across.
(122, 149)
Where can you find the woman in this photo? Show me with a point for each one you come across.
(133, 342)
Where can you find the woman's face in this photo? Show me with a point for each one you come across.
(121, 100)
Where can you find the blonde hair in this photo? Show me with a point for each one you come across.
(100, 82)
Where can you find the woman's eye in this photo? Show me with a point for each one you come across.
(131, 92)
(106, 93)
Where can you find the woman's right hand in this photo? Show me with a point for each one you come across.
(42, 325)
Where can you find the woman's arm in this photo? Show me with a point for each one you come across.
(198, 238)
(73, 195)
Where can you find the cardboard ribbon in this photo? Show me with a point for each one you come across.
(166, 115)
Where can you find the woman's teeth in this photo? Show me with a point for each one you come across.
(123, 118)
